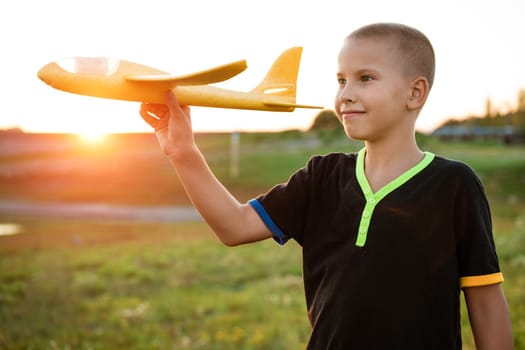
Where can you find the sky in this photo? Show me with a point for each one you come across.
(479, 52)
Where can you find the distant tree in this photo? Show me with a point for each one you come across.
(325, 120)
(327, 127)
(488, 108)
(521, 101)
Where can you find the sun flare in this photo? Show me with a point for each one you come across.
(92, 137)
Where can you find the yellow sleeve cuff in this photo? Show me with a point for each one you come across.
(481, 280)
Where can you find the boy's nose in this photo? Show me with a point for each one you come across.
(346, 95)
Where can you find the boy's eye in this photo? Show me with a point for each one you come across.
(341, 81)
(365, 77)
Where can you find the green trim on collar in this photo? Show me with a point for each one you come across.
(372, 199)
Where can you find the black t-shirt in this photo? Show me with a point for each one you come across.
(384, 270)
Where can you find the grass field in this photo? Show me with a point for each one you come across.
(83, 284)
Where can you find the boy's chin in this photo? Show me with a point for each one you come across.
(353, 135)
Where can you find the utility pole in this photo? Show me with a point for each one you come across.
(235, 142)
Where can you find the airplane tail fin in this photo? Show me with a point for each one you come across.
(281, 79)
(280, 83)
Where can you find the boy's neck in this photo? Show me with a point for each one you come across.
(388, 159)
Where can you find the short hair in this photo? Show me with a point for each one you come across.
(414, 47)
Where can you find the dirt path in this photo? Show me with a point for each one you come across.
(100, 211)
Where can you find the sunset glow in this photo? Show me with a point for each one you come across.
(92, 137)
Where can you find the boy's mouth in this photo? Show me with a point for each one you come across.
(352, 113)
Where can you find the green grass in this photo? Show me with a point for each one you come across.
(154, 287)
(73, 284)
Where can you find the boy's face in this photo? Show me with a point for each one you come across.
(373, 91)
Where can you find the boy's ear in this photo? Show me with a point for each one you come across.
(418, 93)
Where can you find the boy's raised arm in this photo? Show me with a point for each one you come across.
(233, 222)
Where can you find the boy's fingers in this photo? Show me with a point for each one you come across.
(171, 99)
(157, 115)
(174, 105)
(152, 121)
(157, 109)
(154, 114)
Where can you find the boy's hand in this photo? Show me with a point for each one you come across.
(172, 124)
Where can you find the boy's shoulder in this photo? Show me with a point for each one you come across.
(452, 166)
(457, 173)
(332, 161)
(335, 157)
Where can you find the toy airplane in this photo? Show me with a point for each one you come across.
(123, 80)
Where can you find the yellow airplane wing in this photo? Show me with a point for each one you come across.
(204, 77)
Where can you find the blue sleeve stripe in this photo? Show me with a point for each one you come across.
(278, 234)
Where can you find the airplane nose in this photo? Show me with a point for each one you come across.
(46, 73)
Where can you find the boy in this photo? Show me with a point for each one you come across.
(389, 235)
